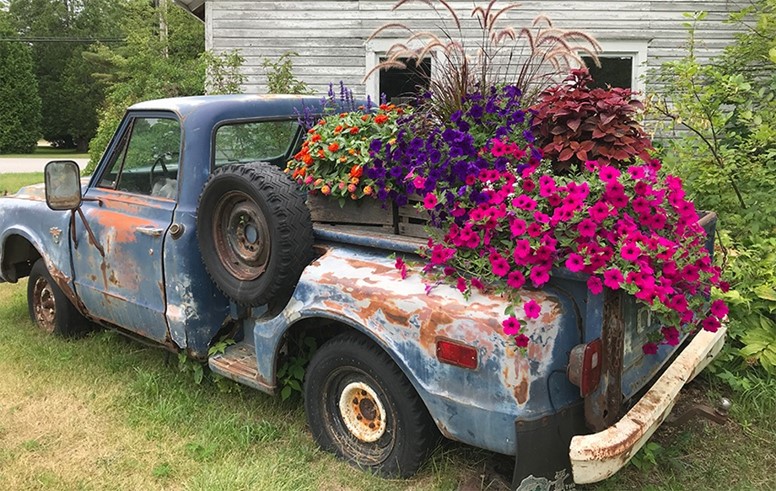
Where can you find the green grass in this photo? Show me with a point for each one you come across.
(43, 152)
(104, 412)
(10, 183)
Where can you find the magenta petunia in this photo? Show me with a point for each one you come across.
(608, 174)
(598, 212)
(517, 227)
(461, 285)
(613, 278)
(719, 309)
(630, 251)
(511, 326)
(499, 265)
(595, 285)
(575, 263)
(539, 277)
(419, 182)
(430, 201)
(591, 165)
(587, 228)
(476, 283)
(670, 335)
(499, 148)
(532, 309)
(515, 279)
(649, 349)
(710, 324)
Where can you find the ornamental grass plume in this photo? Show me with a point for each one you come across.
(529, 58)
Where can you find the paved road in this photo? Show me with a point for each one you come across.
(33, 164)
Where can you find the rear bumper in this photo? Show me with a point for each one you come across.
(598, 456)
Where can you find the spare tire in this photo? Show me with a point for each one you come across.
(255, 233)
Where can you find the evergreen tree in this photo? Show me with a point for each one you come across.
(19, 100)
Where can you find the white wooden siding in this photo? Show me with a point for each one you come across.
(330, 35)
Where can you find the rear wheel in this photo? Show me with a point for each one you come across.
(50, 310)
(361, 407)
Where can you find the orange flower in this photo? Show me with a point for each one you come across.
(354, 180)
(343, 159)
(352, 151)
(399, 111)
(318, 182)
(325, 190)
(334, 147)
(367, 190)
(316, 137)
(351, 188)
(337, 129)
(383, 107)
(307, 159)
(354, 196)
(365, 117)
(356, 171)
(354, 131)
(322, 122)
(381, 118)
(300, 172)
(342, 115)
(321, 154)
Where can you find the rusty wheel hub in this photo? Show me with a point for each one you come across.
(241, 236)
(362, 412)
(44, 305)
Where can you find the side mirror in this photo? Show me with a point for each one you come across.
(63, 185)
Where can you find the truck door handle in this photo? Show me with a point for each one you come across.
(150, 231)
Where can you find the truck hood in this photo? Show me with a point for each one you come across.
(37, 192)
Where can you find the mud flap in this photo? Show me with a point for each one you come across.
(542, 461)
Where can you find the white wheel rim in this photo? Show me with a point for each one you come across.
(362, 412)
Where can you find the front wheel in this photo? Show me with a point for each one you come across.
(50, 310)
(361, 407)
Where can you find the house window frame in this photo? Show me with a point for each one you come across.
(378, 48)
(634, 48)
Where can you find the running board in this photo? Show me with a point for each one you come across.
(238, 363)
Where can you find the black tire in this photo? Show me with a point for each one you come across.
(398, 441)
(255, 233)
(50, 310)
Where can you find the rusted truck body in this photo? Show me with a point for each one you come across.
(127, 257)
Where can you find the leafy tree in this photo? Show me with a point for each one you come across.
(62, 30)
(19, 101)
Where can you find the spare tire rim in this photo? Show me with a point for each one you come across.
(362, 412)
(241, 236)
(44, 305)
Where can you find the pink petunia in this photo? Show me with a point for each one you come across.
(710, 324)
(630, 251)
(575, 263)
(419, 182)
(532, 309)
(499, 148)
(499, 265)
(430, 201)
(608, 174)
(591, 165)
(401, 266)
(587, 228)
(522, 250)
(476, 283)
(461, 285)
(539, 276)
(598, 212)
(719, 309)
(511, 326)
(515, 279)
(595, 285)
(517, 227)
(613, 278)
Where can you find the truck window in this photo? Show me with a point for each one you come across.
(258, 141)
(146, 160)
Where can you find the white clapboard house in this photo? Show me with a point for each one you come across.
(330, 37)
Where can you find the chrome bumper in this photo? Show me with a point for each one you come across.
(598, 456)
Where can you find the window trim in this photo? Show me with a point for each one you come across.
(378, 48)
(636, 49)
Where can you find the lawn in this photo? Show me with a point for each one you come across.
(104, 412)
(10, 183)
(48, 152)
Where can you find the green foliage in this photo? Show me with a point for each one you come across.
(187, 365)
(646, 458)
(19, 100)
(149, 65)
(291, 371)
(280, 76)
(223, 72)
(725, 149)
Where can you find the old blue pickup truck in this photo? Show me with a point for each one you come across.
(189, 231)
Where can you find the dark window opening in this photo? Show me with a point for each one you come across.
(403, 84)
(615, 71)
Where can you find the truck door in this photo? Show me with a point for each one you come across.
(129, 207)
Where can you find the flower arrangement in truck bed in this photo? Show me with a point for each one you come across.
(515, 190)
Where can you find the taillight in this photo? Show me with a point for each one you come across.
(584, 368)
(457, 354)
